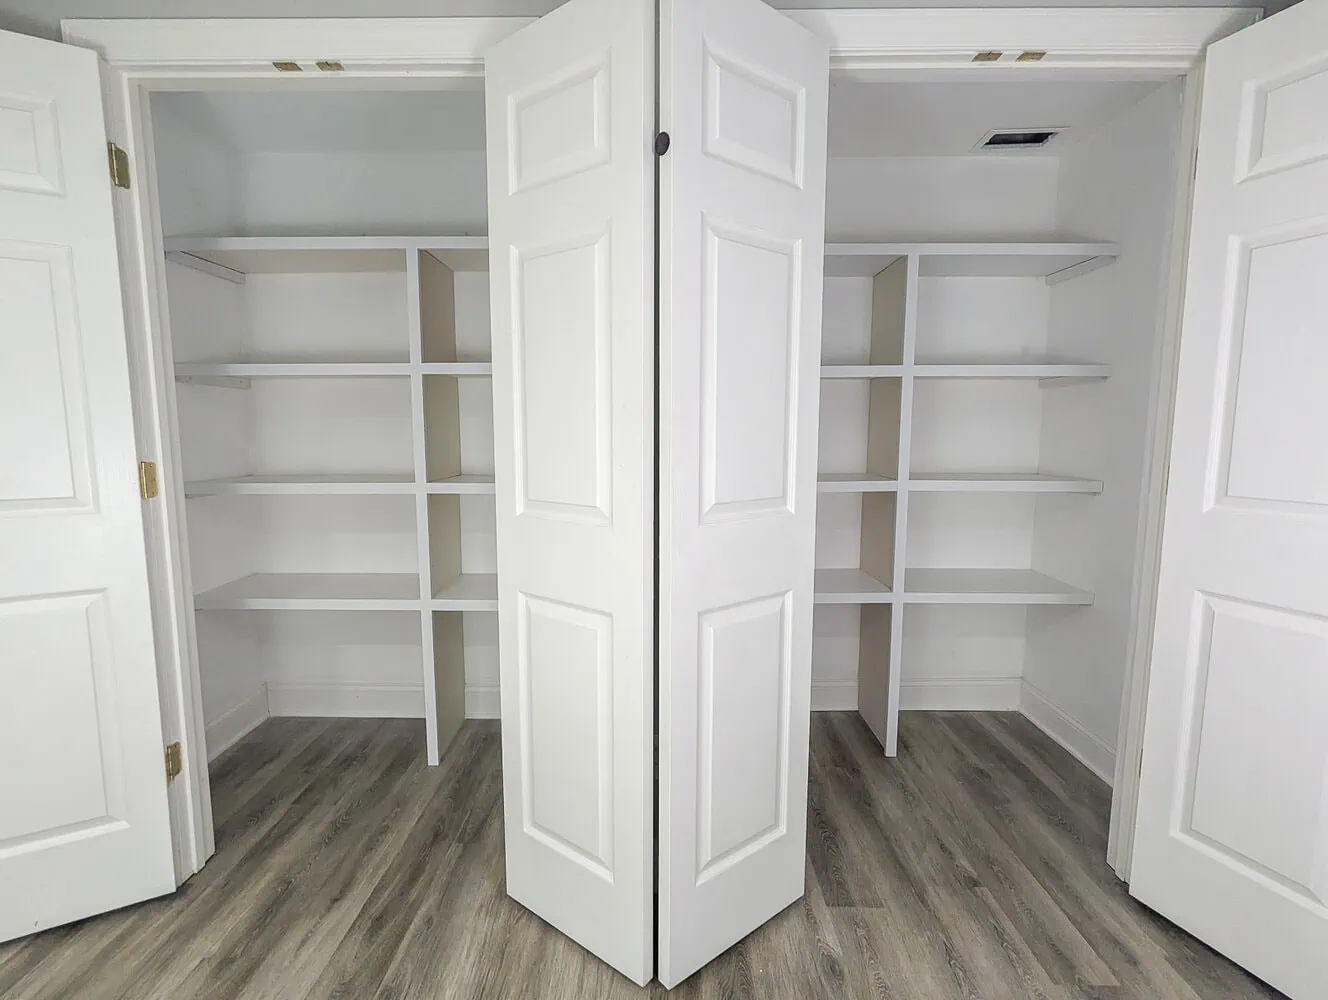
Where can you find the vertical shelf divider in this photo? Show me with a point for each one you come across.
(906, 386)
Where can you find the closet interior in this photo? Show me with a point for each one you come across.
(990, 352)
(327, 278)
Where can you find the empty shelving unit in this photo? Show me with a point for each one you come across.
(336, 430)
(930, 460)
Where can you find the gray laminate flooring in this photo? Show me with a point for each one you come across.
(971, 866)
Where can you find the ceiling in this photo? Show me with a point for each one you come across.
(949, 119)
(866, 119)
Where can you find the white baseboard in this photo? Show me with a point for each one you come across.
(834, 696)
(230, 726)
(482, 701)
(367, 701)
(1086, 747)
(962, 694)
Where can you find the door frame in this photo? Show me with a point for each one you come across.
(141, 56)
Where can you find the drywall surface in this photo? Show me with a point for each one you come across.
(1117, 185)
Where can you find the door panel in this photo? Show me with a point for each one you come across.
(84, 825)
(569, 102)
(742, 193)
(1231, 840)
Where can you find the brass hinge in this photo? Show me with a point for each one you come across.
(174, 762)
(119, 165)
(147, 480)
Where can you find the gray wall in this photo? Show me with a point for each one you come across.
(42, 17)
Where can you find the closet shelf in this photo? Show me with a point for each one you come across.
(998, 482)
(849, 586)
(1077, 370)
(233, 257)
(340, 483)
(315, 592)
(862, 371)
(988, 586)
(461, 484)
(460, 368)
(204, 371)
(855, 482)
(1055, 260)
(467, 592)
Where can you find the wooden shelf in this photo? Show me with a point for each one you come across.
(855, 482)
(1078, 370)
(341, 483)
(315, 592)
(998, 482)
(862, 371)
(1054, 260)
(988, 586)
(467, 592)
(459, 368)
(849, 586)
(461, 484)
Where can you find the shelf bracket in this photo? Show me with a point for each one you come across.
(220, 381)
(1075, 270)
(206, 266)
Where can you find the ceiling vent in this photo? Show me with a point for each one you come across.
(1001, 139)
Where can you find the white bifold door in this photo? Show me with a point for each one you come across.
(1232, 833)
(586, 475)
(84, 825)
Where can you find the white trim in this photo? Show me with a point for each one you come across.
(834, 696)
(482, 701)
(249, 46)
(232, 725)
(1148, 555)
(1117, 40)
(960, 694)
(1086, 747)
(349, 701)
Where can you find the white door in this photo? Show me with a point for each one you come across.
(84, 826)
(743, 94)
(1231, 839)
(570, 102)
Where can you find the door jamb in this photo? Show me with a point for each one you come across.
(144, 55)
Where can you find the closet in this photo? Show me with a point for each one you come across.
(334, 403)
(648, 375)
(990, 328)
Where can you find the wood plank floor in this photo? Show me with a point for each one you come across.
(969, 867)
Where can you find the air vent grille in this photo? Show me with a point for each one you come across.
(1017, 138)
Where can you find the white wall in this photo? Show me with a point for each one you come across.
(365, 193)
(1116, 185)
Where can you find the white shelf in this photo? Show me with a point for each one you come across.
(988, 586)
(461, 484)
(1078, 370)
(862, 371)
(984, 259)
(849, 586)
(855, 482)
(998, 482)
(241, 255)
(460, 368)
(315, 592)
(188, 371)
(467, 592)
(342, 483)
